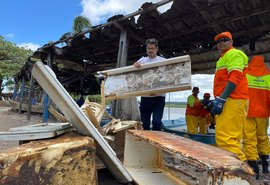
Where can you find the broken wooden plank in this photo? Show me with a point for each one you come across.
(47, 80)
(57, 115)
(36, 131)
(158, 157)
(69, 160)
(89, 113)
(170, 75)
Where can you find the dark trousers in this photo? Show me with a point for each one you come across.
(149, 106)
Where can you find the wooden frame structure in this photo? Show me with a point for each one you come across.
(170, 75)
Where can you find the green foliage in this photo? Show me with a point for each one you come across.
(81, 24)
(12, 58)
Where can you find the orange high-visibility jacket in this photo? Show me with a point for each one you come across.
(231, 66)
(193, 106)
(203, 111)
(258, 77)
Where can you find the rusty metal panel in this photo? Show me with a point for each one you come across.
(170, 75)
(69, 160)
(190, 161)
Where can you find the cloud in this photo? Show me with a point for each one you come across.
(98, 11)
(10, 35)
(29, 45)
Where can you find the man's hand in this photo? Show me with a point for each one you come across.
(217, 105)
(137, 64)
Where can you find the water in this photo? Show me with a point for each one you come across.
(173, 113)
(179, 113)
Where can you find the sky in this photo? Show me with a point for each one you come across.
(33, 23)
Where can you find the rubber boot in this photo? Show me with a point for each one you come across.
(264, 163)
(255, 167)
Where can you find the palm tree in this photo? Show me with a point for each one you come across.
(80, 24)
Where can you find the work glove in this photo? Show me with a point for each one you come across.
(217, 105)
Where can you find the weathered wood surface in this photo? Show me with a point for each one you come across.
(47, 80)
(175, 157)
(69, 160)
(36, 131)
(170, 75)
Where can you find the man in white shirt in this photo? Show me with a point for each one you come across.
(154, 103)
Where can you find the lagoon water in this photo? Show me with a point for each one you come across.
(179, 113)
(173, 113)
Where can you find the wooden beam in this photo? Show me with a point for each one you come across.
(216, 23)
(98, 27)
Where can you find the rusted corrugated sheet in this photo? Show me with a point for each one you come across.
(69, 160)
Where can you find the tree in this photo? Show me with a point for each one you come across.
(80, 24)
(12, 58)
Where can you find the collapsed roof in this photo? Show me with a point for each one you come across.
(188, 27)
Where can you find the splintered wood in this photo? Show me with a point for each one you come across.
(170, 75)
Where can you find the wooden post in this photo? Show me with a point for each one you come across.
(123, 49)
(121, 62)
(119, 105)
(15, 88)
(21, 95)
(30, 96)
(46, 99)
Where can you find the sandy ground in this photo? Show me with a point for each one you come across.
(10, 119)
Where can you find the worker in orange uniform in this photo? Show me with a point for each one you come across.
(204, 114)
(192, 111)
(255, 140)
(231, 95)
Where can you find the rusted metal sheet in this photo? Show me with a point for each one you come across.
(69, 160)
(181, 158)
(170, 75)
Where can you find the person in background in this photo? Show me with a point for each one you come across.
(152, 104)
(231, 96)
(192, 111)
(255, 140)
(80, 101)
(204, 114)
